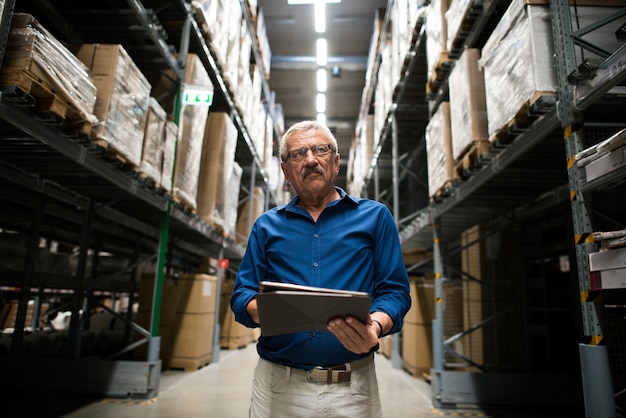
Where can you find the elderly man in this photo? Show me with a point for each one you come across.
(322, 238)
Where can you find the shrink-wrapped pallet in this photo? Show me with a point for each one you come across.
(122, 103)
(216, 168)
(436, 35)
(231, 200)
(38, 63)
(249, 212)
(468, 109)
(190, 136)
(169, 153)
(518, 62)
(439, 150)
(153, 142)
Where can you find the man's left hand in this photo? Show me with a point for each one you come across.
(354, 334)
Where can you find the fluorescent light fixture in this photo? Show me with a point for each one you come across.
(321, 80)
(322, 52)
(311, 1)
(320, 17)
(321, 118)
(320, 103)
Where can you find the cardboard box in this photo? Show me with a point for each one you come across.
(216, 169)
(468, 106)
(519, 59)
(122, 102)
(417, 348)
(192, 335)
(169, 300)
(197, 293)
(439, 150)
(234, 335)
(244, 220)
(422, 301)
(169, 151)
(37, 62)
(154, 141)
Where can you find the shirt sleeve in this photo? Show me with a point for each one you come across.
(392, 291)
(249, 275)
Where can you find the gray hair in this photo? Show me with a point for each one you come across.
(305, 125)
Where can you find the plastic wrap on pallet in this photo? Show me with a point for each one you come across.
(518, 62)
(216, 168)
(231, 200)
(29, 40)
(236, 28)
(213, 18)
(123, 96)
(468, 109)
(439, 150)
(264, 43)
(383, 96)
(169, 151)
(190, 136)
(436, 33)
(244, 220)
(153, 141)
(454, 18)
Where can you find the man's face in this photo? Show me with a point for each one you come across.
(314, 173)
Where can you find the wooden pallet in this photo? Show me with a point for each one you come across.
(467, 22)
(442, 192)
(150, 181)
(467, 162)
(233, 343)
(440, 72)
(184, 204)
(190, 364)
(421, 372)
(49, 106)
(523, 119)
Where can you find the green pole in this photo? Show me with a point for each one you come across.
(165, 227)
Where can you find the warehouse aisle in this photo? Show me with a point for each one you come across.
(220, 390)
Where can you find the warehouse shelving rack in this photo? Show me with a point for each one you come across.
(520, 181)
(56, 184)
(604, 378)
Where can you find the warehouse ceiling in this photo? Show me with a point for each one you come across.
(292, 38)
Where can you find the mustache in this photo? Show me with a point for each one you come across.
(312, 170)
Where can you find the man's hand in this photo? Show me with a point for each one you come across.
(253, 311)
(357, 336)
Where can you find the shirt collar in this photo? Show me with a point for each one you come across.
(293, 204)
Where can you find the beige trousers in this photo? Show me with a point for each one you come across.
(282, 392)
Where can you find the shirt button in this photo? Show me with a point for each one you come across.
(315, 265)
(315, 235)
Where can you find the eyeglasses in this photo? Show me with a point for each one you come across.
(300, 154)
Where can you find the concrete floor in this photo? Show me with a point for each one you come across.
(222, 390)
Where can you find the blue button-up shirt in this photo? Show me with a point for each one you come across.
(354, 245)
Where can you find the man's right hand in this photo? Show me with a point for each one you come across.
(253, 311)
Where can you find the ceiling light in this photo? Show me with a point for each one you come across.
(310, 1)
(321, 118)
(320, 103)
(321, 80)
(320, 17)
(322, 52)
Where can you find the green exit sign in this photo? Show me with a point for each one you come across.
(197, 97)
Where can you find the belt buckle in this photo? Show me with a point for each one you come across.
(336, 374)
(308, 373)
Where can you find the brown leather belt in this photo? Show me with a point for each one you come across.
(335, 374)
